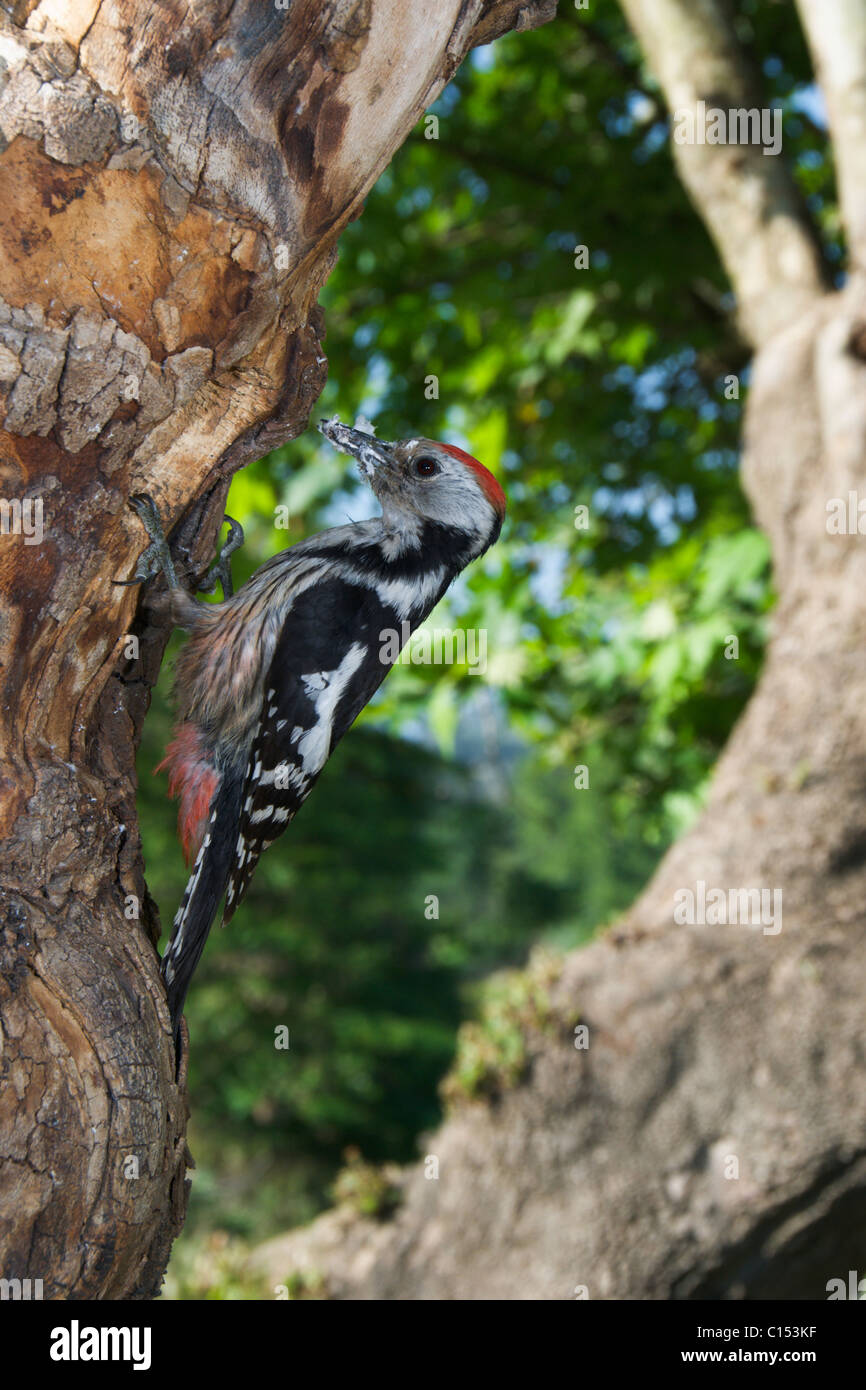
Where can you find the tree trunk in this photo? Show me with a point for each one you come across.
(709, 1142)
(175, 179)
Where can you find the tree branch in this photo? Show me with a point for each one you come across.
(748, 200)
(836, 34)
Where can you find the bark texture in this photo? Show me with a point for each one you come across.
(174, 179)
(610, 1171)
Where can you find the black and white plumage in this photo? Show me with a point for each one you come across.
(272, 678)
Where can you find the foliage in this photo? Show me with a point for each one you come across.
(493, 1051)
(367, 1188)
(213, 1267)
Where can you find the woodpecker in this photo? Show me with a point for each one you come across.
(271, 678)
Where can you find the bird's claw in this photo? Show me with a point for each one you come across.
(235, 538)
(221, 570)
(145, 509)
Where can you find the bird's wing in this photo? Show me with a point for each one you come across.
(326, 666)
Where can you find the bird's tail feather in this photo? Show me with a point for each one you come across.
(205, 888)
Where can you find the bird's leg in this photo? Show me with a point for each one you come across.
(222, 569)
(157, 557)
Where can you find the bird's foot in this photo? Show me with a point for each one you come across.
(156, 559)
(222, 569)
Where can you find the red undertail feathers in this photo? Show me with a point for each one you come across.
(193, 778)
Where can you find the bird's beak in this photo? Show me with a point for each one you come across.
(370, 452)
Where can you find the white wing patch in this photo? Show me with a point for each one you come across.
(285, 776)
(325, 690)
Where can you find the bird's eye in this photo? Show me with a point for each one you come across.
(426, 467)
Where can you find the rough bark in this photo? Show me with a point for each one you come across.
(611, 1168)
(175, 179)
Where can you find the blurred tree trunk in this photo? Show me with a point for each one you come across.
(709, 1142)
(174, 179)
